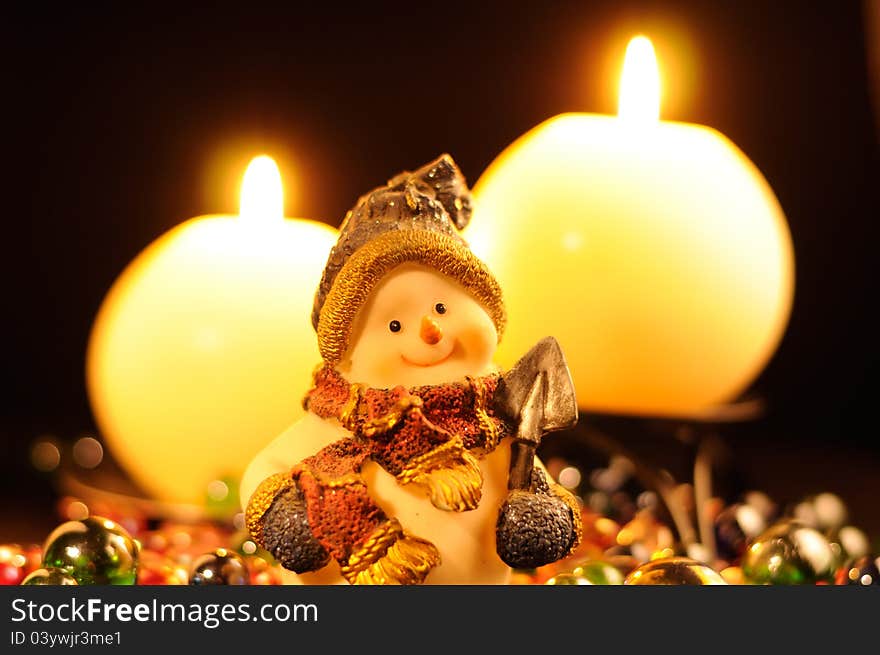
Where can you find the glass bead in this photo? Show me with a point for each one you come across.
(568, 579)
(789, 553)
(49, 576)
(674, 571)
(10, 574)
(598, 572)
(94, 550)
(735, 527)
(221, 567)
(13, 563)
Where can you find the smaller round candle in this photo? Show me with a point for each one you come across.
(655, 252)
(202, 350)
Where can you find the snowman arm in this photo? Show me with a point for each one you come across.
(322, 509)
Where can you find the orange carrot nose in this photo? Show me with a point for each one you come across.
(430, 332)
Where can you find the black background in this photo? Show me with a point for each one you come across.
(119, 126)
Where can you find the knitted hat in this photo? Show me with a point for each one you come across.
(415, 218)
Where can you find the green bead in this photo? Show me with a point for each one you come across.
(49, 577)
(599, 573)
(93, 551)
(674, 571)
(568, 579)
(789, 553)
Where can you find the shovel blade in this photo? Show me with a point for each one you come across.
(516, 394)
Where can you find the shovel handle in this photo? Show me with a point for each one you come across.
(522, 461)
(522, 450)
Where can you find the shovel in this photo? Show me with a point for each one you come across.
(537, 395)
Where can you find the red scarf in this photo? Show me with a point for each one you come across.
(399, 424)
(431, 436)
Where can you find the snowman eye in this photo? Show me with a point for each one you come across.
(394, 326)
(440, 308)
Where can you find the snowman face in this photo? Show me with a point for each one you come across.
(419, 327)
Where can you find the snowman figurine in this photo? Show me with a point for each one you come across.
(415, 460)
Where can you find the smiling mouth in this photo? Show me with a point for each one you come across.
(439, 361)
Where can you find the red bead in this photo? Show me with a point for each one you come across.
(10, 574)
(12, 564)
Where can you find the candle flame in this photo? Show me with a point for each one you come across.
(262, 197)
(640, 83)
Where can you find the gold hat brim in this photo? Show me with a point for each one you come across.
(375, 259)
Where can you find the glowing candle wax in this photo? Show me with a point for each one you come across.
(655, 252)
(202, 350)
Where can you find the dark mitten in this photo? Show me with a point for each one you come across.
(535, 527)
(287, 535)
(277, 520)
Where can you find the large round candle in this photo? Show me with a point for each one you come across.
(202, 350)
(655, 251)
